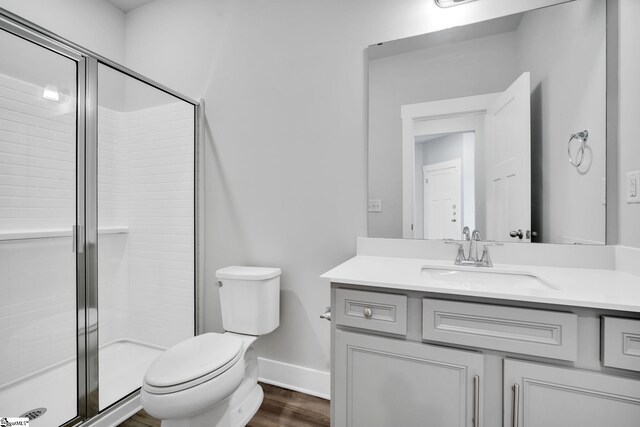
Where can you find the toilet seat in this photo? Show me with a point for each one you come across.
(193, 362)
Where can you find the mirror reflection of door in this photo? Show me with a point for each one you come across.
(490, 135)
(509, 164)
(445, 184)
(442, 200)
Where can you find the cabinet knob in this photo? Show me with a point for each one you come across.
(368, 313)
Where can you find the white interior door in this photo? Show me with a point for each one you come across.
(438, 117)
(508, 125)
(442, 183)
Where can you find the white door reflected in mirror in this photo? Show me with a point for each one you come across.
(442, 199)
(509, 162)
(450, 145)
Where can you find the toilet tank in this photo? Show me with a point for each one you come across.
(249, 299)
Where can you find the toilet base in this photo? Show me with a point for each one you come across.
(223, 415)
(241, 415)
(218, 416)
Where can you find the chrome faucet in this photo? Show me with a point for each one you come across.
(472, 259)
(466, 233)
(473, 246)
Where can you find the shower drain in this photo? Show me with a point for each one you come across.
(34, 413)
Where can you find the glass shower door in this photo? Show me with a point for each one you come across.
(38, 216)
(146, 244)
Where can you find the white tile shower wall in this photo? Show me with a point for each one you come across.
(145, 178)
(161, 153)
(37, 192)
(113, 250)
(37, 155)
(37, 320)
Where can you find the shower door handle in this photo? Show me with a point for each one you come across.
(78, 234)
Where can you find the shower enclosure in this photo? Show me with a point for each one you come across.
(97, 227)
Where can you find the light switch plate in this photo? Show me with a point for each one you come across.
(375, 205)
(633, 187)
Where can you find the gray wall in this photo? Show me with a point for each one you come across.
(629, 148)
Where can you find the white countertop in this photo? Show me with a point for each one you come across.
(579, 287)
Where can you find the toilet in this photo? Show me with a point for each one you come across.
(212, 379)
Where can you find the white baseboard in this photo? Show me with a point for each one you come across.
(298, 378)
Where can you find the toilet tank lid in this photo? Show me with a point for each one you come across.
(247, 273)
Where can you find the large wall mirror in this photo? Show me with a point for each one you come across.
(499, 126)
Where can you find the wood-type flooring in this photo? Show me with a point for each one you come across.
(280, 408)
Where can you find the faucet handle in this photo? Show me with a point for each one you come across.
(486, 258)
(460, 256)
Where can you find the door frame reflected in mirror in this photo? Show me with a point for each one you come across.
(455, 115)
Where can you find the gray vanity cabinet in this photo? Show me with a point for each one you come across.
(383, 382)
(537, 395)
(420, 359)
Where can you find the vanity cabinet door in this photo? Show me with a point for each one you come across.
(383, 382)
(547, 396)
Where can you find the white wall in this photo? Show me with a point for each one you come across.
(629, 148)
(94, 24)
(292, 75)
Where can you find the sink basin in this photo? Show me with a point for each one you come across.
(477, 279)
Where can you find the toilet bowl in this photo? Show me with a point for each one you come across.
(212, 379)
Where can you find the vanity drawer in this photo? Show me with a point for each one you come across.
(372, 310)
(516, 330)
(621, 343)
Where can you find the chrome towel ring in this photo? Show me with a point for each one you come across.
(581, 138)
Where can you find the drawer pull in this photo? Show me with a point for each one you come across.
(368, 313)
(476, 401)
(516, 405)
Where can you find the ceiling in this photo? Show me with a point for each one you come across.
(128, 5)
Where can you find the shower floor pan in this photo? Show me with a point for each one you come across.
(122, 367)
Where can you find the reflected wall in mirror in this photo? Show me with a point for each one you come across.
(470, 126)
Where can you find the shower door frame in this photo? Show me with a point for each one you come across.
(85, 232)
